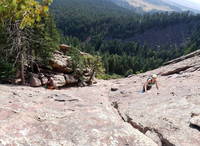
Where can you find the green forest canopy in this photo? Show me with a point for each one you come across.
(101, 27)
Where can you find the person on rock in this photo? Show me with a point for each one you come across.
(152, 80)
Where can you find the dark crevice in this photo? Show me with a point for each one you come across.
(137, 126)
(164, 141)
(73, 100)
(59, 100)
(141, 128)
(116, 106)
(194, 127)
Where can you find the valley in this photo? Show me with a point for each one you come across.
(74, 73)
(128, 42)
(160, 5)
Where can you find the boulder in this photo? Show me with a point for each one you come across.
(94, 82)
(59, 80)
(35, 81)
(17, 81)
(61, 63)
(44, 80)
(114, 89)
(70, 79)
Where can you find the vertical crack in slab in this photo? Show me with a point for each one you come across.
(164, 141)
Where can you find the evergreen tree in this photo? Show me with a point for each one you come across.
(18, 17)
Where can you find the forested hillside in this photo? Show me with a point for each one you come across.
(31, 53)
(128, 42)
(27, 33)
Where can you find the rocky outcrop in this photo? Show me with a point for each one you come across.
(65, 48)
(176, 71)
(191, 63)
(187, 63)
(191, 55)
(61, 71)
(61, 63)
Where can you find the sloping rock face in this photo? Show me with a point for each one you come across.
(72, 117)
(110, 113)
(168, 113)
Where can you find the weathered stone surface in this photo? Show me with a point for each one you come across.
(40, 117)
(61, 63)
(167, 110)
(154, 136)
(85, 116)
(59, 80)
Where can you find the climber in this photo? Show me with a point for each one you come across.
(150, 82)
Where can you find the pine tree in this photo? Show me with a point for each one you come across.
(19, 17)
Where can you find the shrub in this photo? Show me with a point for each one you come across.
(7, 72)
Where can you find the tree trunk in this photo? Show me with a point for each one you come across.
(91, 77)
(22, 69)
(20, 48)
(30, 59)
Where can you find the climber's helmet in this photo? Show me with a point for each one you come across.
(154, 76)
